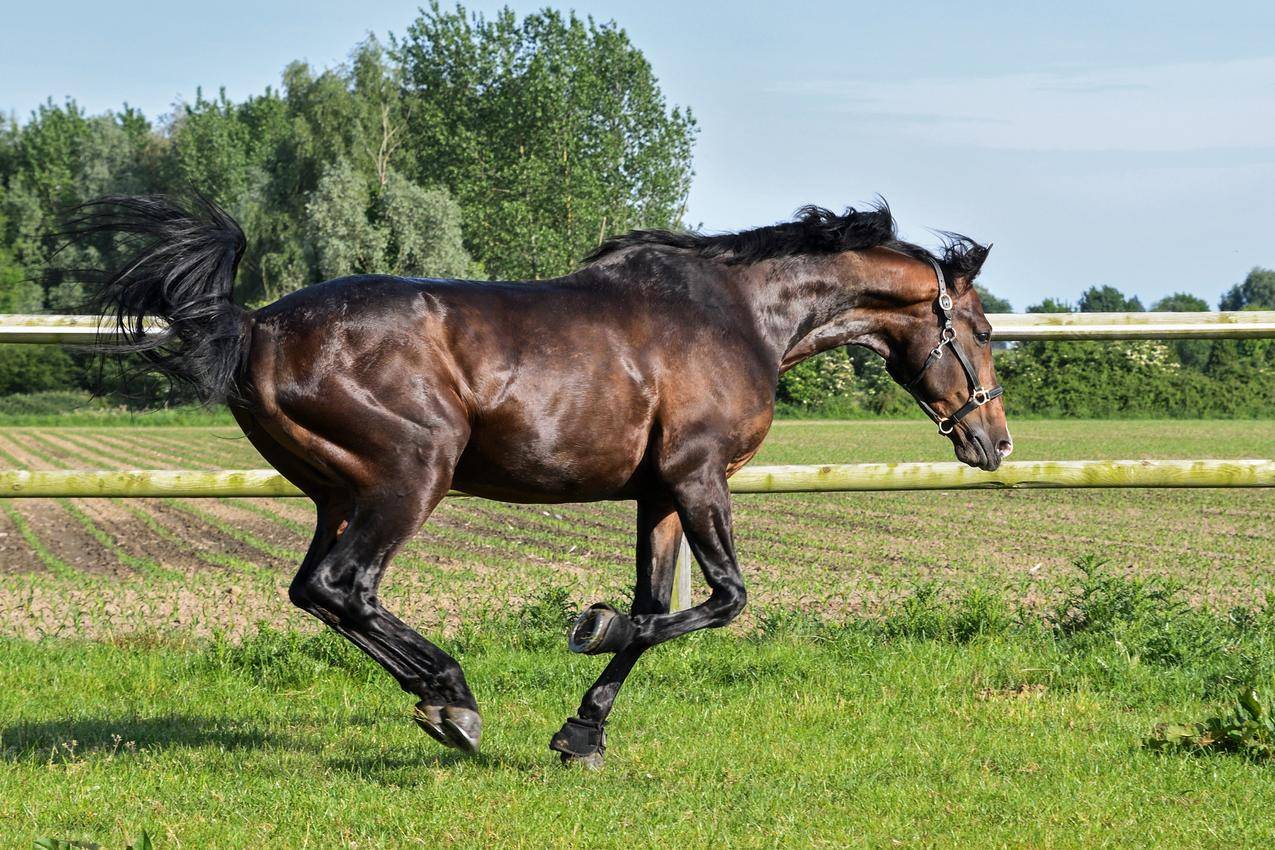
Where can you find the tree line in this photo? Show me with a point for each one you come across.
(500, 147)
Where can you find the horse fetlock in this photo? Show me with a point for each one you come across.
(600, 629)
(581, 742)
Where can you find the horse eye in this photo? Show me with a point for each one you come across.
(983, 337)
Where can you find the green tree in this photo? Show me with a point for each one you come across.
(1051, 305)
(399, 228)
(1256, 292)
(346, 242)
(992, 303)
(550, 131)
(1108, 299)
(424, 229)
(1192, 353)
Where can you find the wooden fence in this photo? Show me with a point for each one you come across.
(1007, 327)
(757, 479)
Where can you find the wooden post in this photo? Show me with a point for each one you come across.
(681, 598)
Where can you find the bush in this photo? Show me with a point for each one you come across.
(36, 368)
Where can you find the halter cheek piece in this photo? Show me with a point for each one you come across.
(947, 337)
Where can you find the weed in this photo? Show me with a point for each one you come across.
(1247, 729)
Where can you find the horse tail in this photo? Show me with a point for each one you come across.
(181, 259)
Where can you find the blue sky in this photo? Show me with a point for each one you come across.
(1126, 143)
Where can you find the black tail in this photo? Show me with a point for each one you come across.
(179, 266)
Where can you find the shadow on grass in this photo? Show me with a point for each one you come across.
(404, 768)
(61, 740)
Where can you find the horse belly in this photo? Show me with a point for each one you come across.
(547, 465)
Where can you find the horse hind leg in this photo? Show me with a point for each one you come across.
(354, 545)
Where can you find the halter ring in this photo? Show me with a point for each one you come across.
(980, 396)
(947, 334)
(951, 426)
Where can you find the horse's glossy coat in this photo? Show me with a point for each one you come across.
(649, 374)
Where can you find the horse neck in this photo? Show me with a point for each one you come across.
(806, 305)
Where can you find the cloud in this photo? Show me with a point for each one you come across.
(1160, 108)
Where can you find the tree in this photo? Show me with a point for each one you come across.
(1257, 292)
(424, 231)
(345, 241)
(1108, 299)
(992, 303)
(1051, 305)
(1193, 353)
(401, 228)
(61, 157)
(550, 131)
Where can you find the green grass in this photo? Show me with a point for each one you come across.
(948, 724)
(118, 417)
(922, 668)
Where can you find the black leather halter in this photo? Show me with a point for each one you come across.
(947, 337)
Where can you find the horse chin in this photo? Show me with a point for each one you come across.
(973, 450)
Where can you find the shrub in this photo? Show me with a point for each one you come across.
(36, 368)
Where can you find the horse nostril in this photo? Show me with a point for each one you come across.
(1004, 447)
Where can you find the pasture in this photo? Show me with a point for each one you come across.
(848, 705)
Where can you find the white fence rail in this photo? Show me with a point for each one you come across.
(1007, 327)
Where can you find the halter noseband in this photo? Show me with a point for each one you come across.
(947, 336)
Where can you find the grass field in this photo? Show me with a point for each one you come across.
(153, 701)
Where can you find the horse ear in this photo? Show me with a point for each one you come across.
(971, 265)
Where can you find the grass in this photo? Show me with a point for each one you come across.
(928, 668)
(964, 723)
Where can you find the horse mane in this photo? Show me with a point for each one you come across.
(813, 230)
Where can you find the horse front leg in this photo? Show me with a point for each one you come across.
(702, 503)
(582, 739)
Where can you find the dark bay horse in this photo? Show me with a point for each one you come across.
(648, 374)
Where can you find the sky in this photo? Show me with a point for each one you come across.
(1128, 143)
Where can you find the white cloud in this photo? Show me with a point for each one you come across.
(1161, 108)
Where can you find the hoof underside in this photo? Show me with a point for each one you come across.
(600, 629)
(580, 742)
(450, 725)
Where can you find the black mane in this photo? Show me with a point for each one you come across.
(814, 230)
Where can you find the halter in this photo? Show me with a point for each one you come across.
(947, 336)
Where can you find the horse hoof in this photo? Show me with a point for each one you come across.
(580, 742)
(592, 761)
(463, 727)
(600, 629)
(451, 725)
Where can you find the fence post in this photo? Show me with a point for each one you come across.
(681, 598)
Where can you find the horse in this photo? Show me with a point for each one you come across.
(647, 374)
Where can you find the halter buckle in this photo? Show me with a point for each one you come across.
(951, 426)
(980, 396)
(945, 301)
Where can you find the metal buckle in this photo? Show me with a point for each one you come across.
(945, 301)
(980, 396)
(951, 426)
(937, 352)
